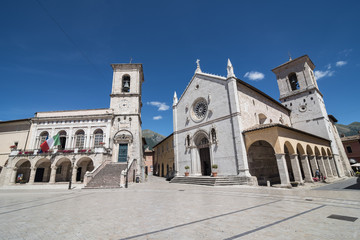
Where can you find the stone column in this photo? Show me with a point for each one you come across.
(32, 175)
(296, 168)
(13, 175)
(313, 164)
(306, 168)
(53, 174)
(333, 167)
(74, 172)
(321, 164)
(283, 171)
(327, 166)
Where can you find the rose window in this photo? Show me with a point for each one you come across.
(200, 108)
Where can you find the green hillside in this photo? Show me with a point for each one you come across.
(152, 138)
(349, 130)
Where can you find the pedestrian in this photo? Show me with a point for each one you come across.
(317, 174)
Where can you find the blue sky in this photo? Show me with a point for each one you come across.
(56, 55)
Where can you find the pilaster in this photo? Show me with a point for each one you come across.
(333, 167)
(32, 175)
(53, 174)
(13, 174)
(239, 143)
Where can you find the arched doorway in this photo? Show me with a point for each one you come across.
(63, 170)
(43, 170)
(23, 171)
(262, 163)
(202, 144)
(83, 165)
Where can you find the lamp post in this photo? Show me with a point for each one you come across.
(127, 173)
(71, 170)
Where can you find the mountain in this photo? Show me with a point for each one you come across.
(152, 138)
(349, 130)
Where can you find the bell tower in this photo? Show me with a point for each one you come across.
(125, 97)
(125, 102)
(300, 93)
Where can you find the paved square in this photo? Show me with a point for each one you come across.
(159, 210)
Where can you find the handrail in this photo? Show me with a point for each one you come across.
(88, 176)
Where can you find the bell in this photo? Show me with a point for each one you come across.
(126, 86)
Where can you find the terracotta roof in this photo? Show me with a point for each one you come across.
(350, 138)
(270, 125)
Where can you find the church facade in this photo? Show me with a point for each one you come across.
(90, 140)
(225, 121)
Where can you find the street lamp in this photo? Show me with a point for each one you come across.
(71, 170)
(127, 172)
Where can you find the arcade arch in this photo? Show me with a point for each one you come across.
(262, 163)
(43, 170)
(63, 168)
(23, 169)
(82, 166)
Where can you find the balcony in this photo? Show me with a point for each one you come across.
(38, 152)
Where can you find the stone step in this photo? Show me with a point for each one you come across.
(210, 181)
(108, 177)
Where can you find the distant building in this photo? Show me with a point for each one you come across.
(352, 147)
(226, 121)
(106, 141)
(149, 159)
(164, 156)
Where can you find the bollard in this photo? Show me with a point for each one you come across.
(268, 183)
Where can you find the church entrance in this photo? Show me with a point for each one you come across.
(205, 161)
(203, 147)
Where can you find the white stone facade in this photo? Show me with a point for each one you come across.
(214, 112)
(88, 138)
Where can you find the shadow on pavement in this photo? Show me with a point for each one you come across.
(356, 185)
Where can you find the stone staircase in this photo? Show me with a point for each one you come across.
(107, 177)
(212, 181)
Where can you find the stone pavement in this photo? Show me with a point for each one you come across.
(159, 210)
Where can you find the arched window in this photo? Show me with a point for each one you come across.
(213, 135)
(79, 139)
(188, 140)
(126, 83)
(43, 136)
(293, 81)
(98, 138)
(62, 137)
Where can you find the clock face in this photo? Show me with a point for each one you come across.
(124, 104)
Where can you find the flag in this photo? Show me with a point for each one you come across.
(49, 143)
